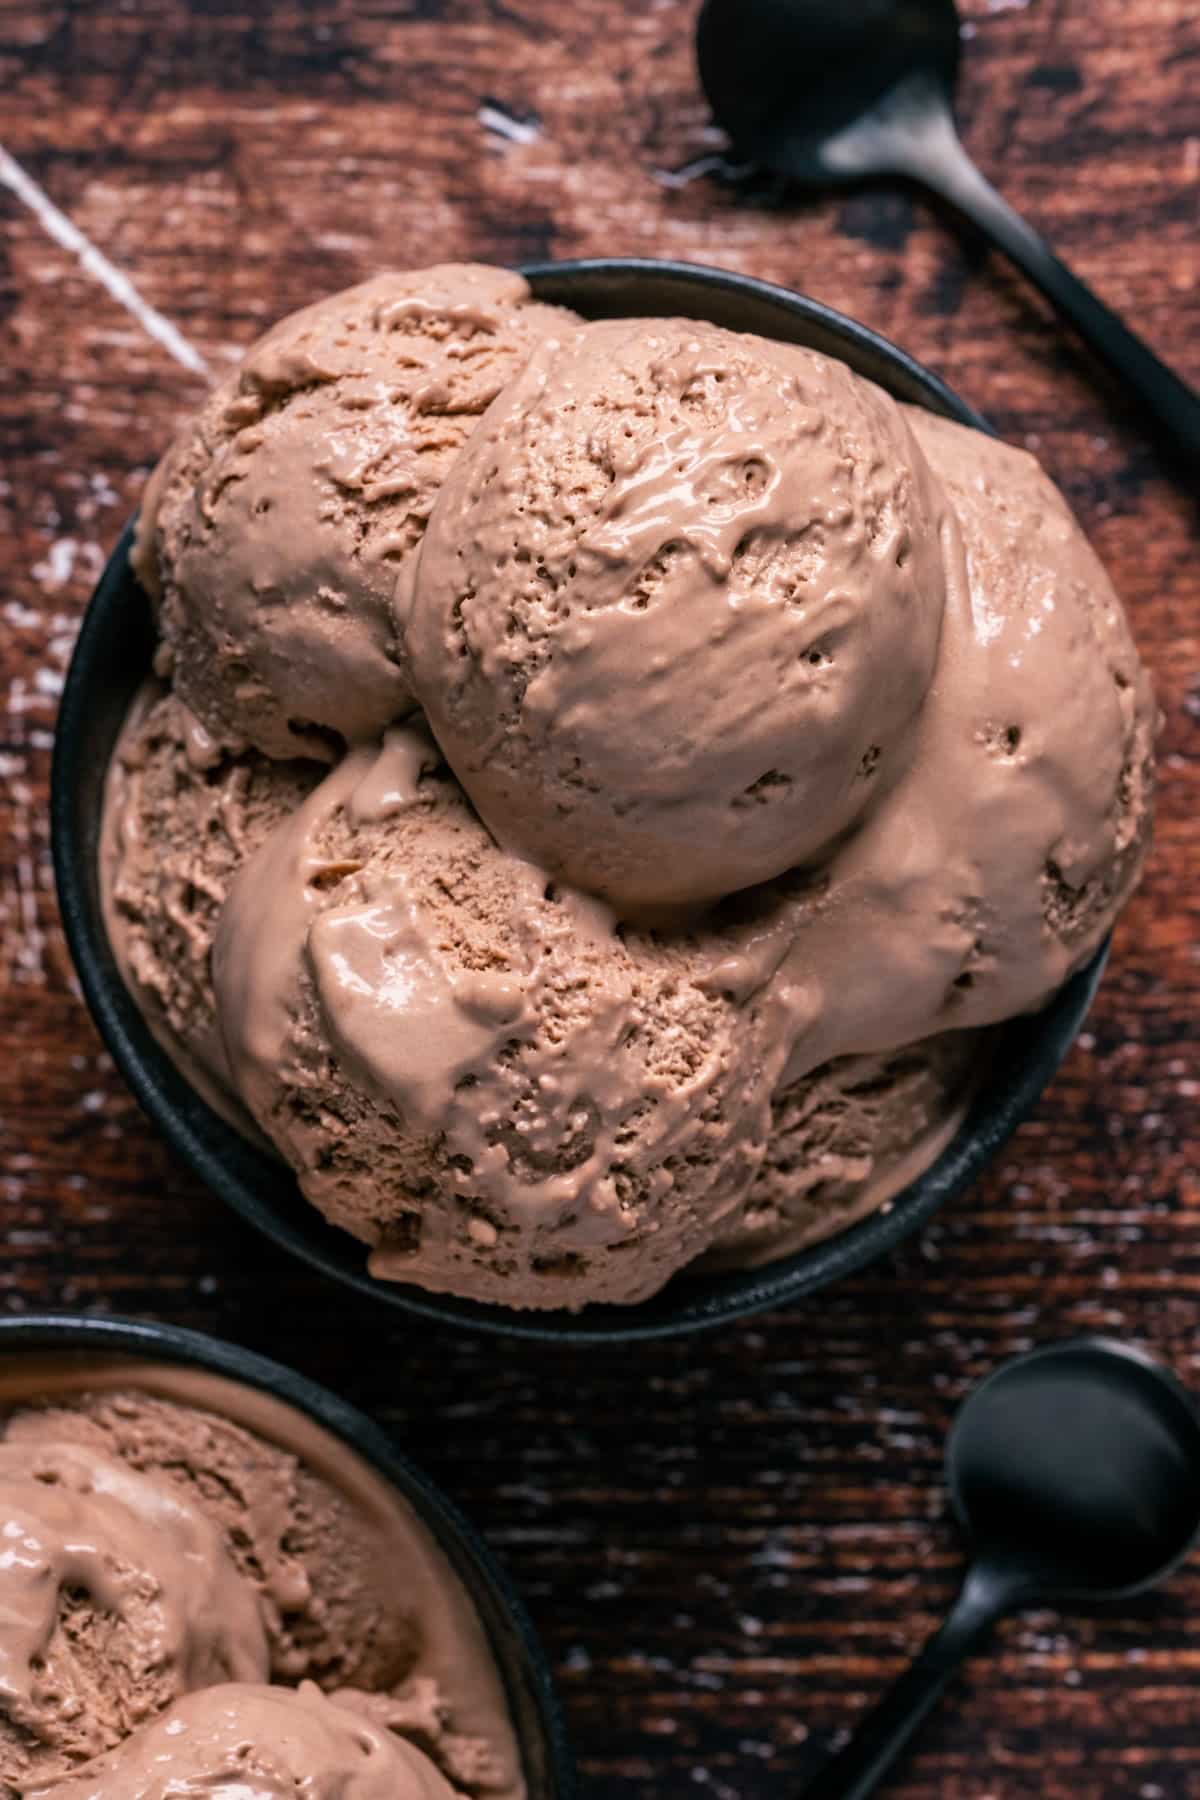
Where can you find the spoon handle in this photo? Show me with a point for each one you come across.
(945, 166)
(854, 1771)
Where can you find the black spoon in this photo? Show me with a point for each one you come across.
(1075, 1471)
(828, 91)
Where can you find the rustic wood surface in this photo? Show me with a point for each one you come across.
(729, 1544)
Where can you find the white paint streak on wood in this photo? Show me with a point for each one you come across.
(94, 263)
(503, 124)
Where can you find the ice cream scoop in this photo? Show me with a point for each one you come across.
(678, 608)
(116, 1597)
(180, 818)
(307, 1552)
(504, 1093)
(1001, 858)
(133, 1496)
(468, 1065)
(257, 1743)
(845, 1138)
(274, 528)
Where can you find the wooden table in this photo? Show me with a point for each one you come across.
(728, 1544)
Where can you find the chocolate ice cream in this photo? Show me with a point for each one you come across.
(845, 1139)
(478, 1074)
(275, 527)
(256, 1743)
(116, 1596)
(808, 742)
(180, 818)
(1001, 859)
(678, 609)
(1067, 697)
(182, 1532)
(469, 1066)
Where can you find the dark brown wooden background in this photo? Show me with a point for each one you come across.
(728, 1544)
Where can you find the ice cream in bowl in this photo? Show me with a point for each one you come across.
(594, 801)
(219, 1578)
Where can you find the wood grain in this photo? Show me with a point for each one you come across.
(730, 1547)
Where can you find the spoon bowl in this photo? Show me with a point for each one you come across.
(787, 77)
(1079, 1465)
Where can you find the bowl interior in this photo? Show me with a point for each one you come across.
(533, 1703)
(113, 657)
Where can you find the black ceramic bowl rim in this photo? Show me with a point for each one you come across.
(548, 1764)
(113, 655)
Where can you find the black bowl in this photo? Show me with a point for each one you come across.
(113, 656)
(547, 1762)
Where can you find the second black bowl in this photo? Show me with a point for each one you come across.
(113, 657)
(86, 1344)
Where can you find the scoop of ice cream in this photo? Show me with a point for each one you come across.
(257, 1743)
(275, 528)
(116, 1596)
(846, 1138)
(352, 1586)
(469, 1066)
(179, 820)
(1068, 698)
(1002, 858)
(298, 1543)
(677, 609)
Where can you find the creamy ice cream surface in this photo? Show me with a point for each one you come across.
(845, 1138)
(747, 748)
(258, 1743)
(275, 527)
(184, 1542)
(678, 609)
(116, 1597)
(1000, 861)
(180, 819)
(471, 1068)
